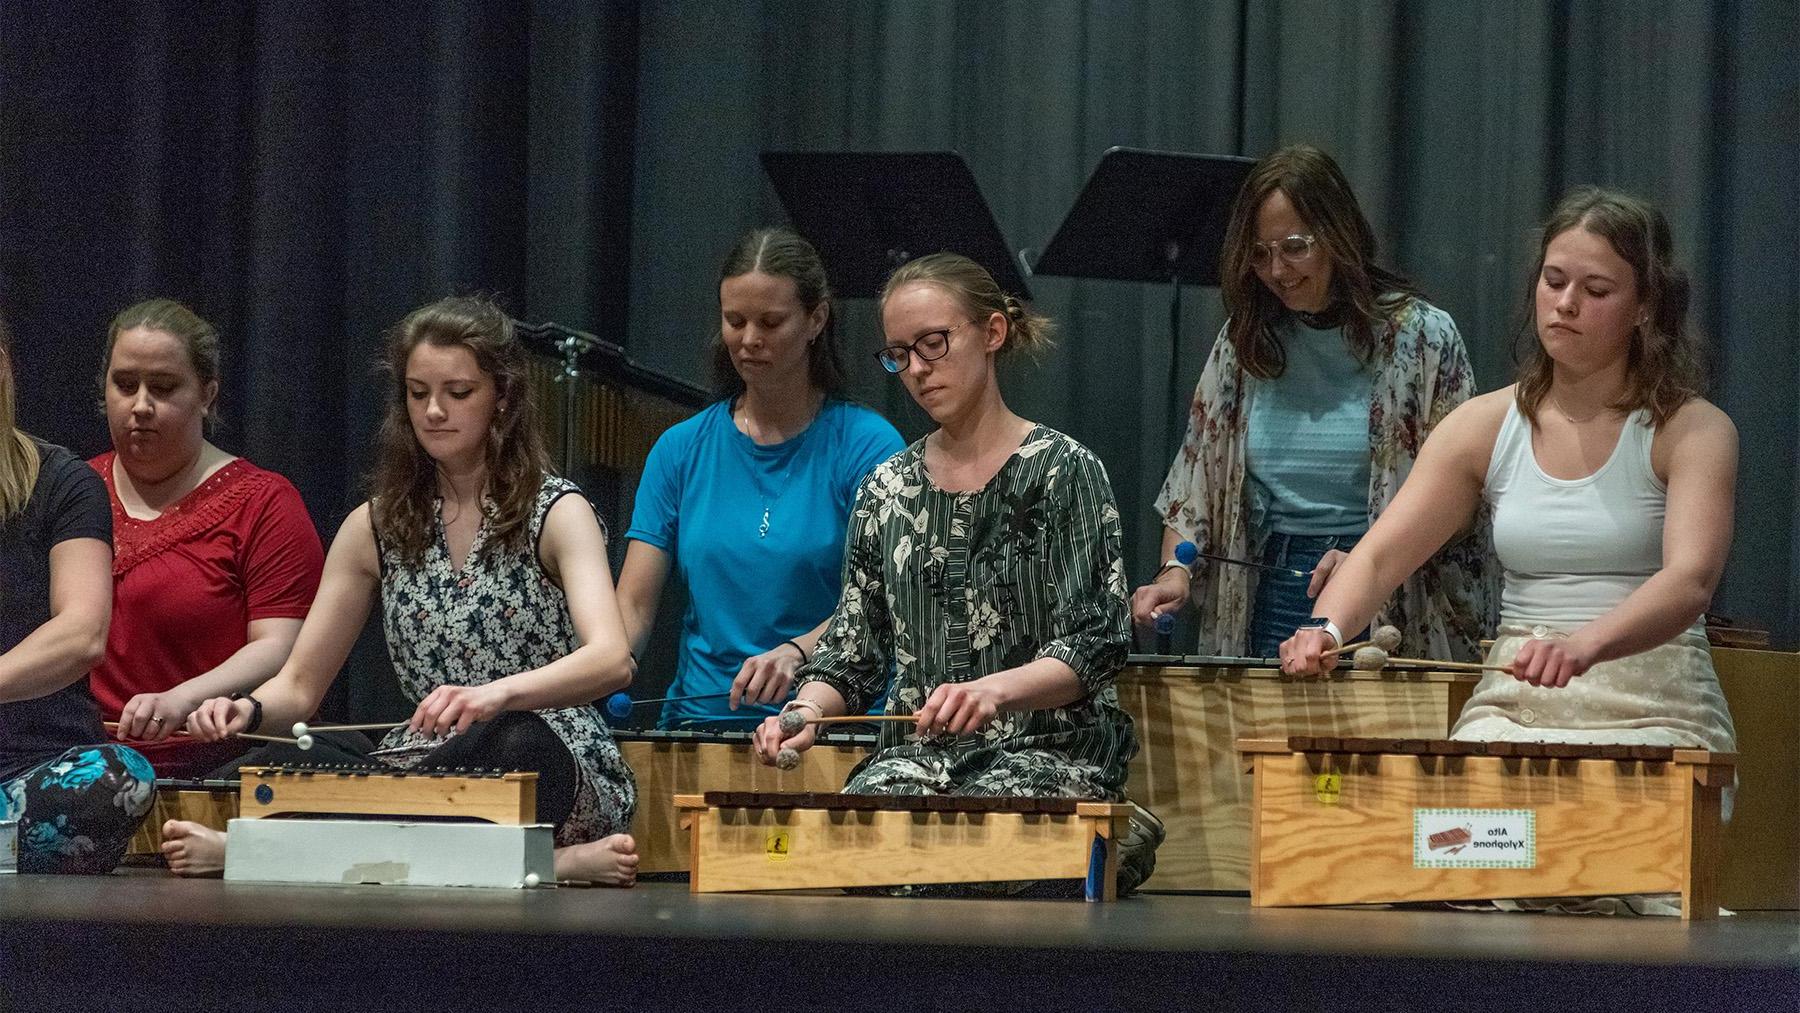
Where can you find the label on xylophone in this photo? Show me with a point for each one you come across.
(1474, 839)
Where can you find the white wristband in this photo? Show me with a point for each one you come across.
(1337, 638)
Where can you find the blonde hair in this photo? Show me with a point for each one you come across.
(19, 459)
(980, 295)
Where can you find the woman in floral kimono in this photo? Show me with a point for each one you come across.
(982, 568)
(1324, 383)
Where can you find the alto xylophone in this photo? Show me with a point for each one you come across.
(683, 762)
(745, 841)
(1347, 820)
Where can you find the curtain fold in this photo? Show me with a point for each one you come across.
(305, 174)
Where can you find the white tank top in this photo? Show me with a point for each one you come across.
(1573, 549)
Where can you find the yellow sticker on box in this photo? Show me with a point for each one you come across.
(1327, 787)
(778, 846)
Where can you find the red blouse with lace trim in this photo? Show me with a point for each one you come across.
(187, 584)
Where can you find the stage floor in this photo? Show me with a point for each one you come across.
(92, 943)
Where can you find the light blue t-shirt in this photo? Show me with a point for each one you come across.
(1307, 447)
(702, 500)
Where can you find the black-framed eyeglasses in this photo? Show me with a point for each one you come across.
(1291, 250)
(931, 346)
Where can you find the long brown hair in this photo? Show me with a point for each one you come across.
(19, 459)
(782, 253)
(979, 294)
(1368, 294)
(1662, 369)
(405, 479)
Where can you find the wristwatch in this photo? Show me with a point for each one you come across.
(255, 710)
(1330, 628)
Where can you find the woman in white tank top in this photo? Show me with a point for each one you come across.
(1611, 482)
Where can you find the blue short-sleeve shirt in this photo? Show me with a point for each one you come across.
(703, 499)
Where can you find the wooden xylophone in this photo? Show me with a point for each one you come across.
(1190, 711)
(671, 763)
(743, 841)
(434, 828)
(1374, 820)
(492, 796)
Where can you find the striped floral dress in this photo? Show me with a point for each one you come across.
(950, 587)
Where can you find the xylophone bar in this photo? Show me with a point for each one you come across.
(377, 770)
(1454, 747)
(892, 803)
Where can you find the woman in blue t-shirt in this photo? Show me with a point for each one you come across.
(75, 797)
(749, 499)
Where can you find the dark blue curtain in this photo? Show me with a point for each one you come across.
(305, 173)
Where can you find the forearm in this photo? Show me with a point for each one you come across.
(809, 641)
(250, 666)
(638, 617)
(1356, 591)
(825, 697)
(1660, 610)
(53, 656)
(587, 674)
(1038, 685)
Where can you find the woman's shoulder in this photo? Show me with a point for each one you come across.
(856, 417)
(62, 471)
(894, 475)
(682, 434)
(1057, 447)
(1698, 418)
(555, 487)
(1415, 316)
(1476, 422)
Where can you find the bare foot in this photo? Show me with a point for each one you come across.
(609, 861)
(195, 850)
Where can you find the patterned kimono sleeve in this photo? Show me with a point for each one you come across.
(1447, 361)
(1461, 582)
(1088, 593)
(1189, 501)
(853, 653)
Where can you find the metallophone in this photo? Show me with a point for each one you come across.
(1369, 820)
(747, 841)
(347, 824)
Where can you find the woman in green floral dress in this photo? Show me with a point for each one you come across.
(982, 570)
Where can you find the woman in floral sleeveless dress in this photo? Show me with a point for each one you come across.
(495, 595)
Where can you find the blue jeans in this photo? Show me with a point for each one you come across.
(1281, 601)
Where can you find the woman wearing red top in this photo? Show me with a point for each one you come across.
(216, 560)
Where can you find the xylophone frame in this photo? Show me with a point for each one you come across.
(751, 841)
(1606, 819)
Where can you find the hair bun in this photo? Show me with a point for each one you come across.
(1015, 310)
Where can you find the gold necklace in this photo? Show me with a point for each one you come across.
(1572, 420)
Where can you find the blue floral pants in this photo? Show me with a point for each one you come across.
(78, 812)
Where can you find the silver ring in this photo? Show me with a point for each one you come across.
(156, 721)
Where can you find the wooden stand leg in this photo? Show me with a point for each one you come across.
(1256, 790)
(1700, 877)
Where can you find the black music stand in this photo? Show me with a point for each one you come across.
(868, 212)
(1155, 216)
